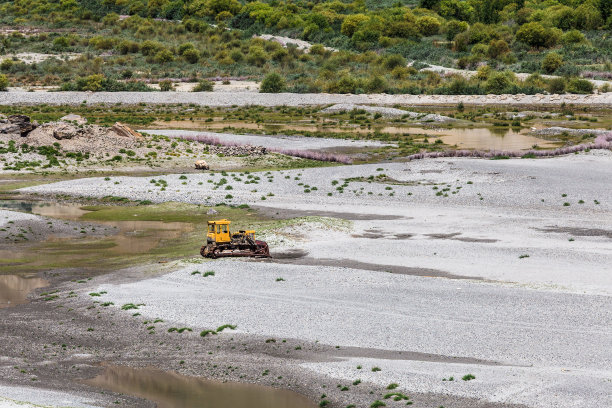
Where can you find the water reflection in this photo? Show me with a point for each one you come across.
(171, 390)
(14, 289)
(483, 138)
(54, 210)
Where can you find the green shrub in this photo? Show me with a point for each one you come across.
(551, 62)
(191, 55)
(389, 62)
(257, 56)
(533, 34)
(573, 37)
(91, 83)
(352, 23)
(164, 56)
(556, 86)
(150, 47)
(499, 82)
(203, 86)
(272, 83)
(4, 82)
(579, 86)
(428, 25)
(165, 86)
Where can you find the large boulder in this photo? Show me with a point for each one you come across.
(201, 165)
(17, 124)
(63, 131)
(123, 130)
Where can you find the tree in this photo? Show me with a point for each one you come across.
(587, 17)
(3, 82)
(191, 55)
(164, 56)
(272, 83)
(455, 27)
(533, 34)
(428, 25)
(429, 4)
(499, 81)
(573, 37)
(219, 6)
(551, 62)
(257, 55)
(352, 23)
(498, 49)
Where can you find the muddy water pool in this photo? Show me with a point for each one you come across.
(482, 138)
(122, 242)
(172, 390)
(14, 289)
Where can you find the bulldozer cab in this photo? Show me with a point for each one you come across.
(218, 231)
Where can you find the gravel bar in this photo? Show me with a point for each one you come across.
(290, 99)
(378, 310)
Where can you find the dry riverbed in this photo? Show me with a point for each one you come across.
(418, 274)
(288, 99)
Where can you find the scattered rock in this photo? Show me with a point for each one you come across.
(385, 111)
(212, 211)
(78, 119)
(557, 130)
(242, 150)
(285, 41)
(201, 165)
(17, 124)
(434, 117)
(123, 130)
(67, 131)
(9, 128)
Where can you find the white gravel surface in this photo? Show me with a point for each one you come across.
(29, 397)
(285, 41)
(536, 330)
(7, 216)
(521, 212)
(546, 318)
(269, 141)
(289, 99)
(385, 111)
(390, 112)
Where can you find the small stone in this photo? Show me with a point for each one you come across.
(78, 119)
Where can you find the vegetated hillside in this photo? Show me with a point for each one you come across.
(113, 44)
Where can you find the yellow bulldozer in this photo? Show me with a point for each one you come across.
(220, 242)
